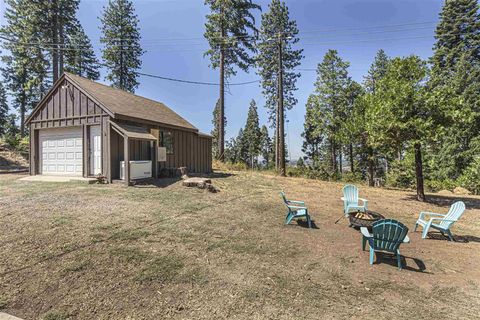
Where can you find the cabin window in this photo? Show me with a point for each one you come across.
(166, 141)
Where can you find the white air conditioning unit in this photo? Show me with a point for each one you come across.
(138, 169)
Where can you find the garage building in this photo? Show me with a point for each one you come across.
(84, 128)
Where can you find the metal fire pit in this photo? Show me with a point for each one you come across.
(364, 219)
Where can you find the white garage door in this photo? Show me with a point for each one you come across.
(61, 151)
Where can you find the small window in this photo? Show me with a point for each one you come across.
(166, 141)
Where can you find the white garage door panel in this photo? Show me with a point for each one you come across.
(61, 151)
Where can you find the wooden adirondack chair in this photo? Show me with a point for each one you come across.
(296, 209)
(387, 235)
(350, 200)
(441, 222)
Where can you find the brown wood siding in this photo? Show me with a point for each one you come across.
(69, 108)
(190, 150)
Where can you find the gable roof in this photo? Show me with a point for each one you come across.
(122, 103)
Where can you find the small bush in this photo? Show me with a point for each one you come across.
(437, 185)
(470, 178)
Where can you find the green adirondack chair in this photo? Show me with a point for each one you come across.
(441, 222)
(387, 235)
(296, 209)
(351, 200)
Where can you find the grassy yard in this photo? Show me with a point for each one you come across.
(75, 251)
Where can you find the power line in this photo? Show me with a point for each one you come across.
(195, 82)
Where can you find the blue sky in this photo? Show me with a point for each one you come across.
(357, 29)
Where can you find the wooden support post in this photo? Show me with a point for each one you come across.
(34, 158)
(126, 159)
(154, 158)
(108, 152)
(86, 163)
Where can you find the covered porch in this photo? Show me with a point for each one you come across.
(133, 153)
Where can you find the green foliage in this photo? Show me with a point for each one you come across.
(278, 29)
(214, 132)
(300, 163)
(229, 28)
(24, 67)
(401, 173)
(470, 178)
(327, 111)
(266, 146)
(312, 130)
(81, 60)
(121, 40)
(455, 86)
(3, 110)
(252, 135)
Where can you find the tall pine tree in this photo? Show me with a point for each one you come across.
(331, 88)
(266, 146)
(312, 130)
(24, 65)
(3, 110)
(121, 39)
(376, 72)
(80, 58)
(252, 134)
(229, 31)
(214, 132)
(400, 113)
(277, 60)
(455, 87)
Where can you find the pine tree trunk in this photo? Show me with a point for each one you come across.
(22, 116)
(371, 168)
(419, 171)
(55, 40)
(351, 158)
(221, 109)
(340, 160)
(334, 157)
(281, 129)
(61, 51)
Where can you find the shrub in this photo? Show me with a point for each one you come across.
(470, 178)
(437, 185)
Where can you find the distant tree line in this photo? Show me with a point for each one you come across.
(411, 122)
(42, 39)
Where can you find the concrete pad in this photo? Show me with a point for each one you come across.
(4, 316)
(42, 178)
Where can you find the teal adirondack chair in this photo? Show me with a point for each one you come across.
(296, 209)
(351, 200)
(441, 222)
(387, 235)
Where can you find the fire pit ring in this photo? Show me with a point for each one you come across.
(364, 219)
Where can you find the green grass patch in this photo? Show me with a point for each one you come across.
(55, 315)
(163, 269)
(129, 234)
(61, 220)
(3, 302)
(77, 266)
(129, 254)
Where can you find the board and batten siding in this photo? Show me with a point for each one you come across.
(190, 149)
(64, 107)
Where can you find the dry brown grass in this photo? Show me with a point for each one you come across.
(74, 251)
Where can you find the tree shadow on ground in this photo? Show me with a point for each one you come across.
(156, 183)
(447, 201)
(408, 263)
(456, 238)
(214, 175)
